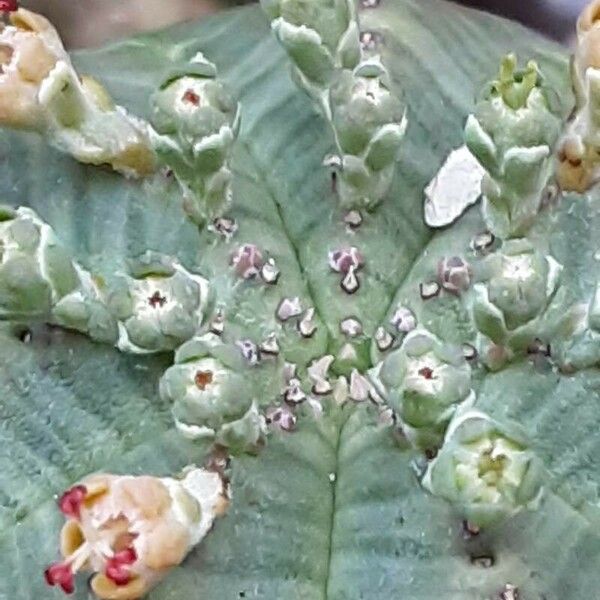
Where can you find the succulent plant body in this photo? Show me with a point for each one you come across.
(356, 383)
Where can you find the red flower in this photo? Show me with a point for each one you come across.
(70, 502)
(117, 567)
(62, 575)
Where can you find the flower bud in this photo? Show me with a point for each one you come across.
(512, 134)
(196, 122)
(485, 472)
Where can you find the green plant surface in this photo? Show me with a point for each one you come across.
(335, 509)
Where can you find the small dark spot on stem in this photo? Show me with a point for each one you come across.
(484, 561)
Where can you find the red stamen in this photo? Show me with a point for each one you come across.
(426, 372)
(62, 575)
(125, 557)
(191, 97)
(70, 502)
(9, 5)
(203, 379)
(117, 567)
(157, 300)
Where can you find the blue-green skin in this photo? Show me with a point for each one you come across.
(512, 133)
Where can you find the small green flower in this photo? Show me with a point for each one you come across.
(320, 37)
(159, 306)
(196, 122)
(485, 472)
(510, 305)
(512, 134)
(424, 381)
(370, 122)
(213, 394)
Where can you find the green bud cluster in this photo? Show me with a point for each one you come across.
(195, 123)
(352, 90)
(217, 395)
(517, 299)
(512, 135)
(485, 471)
(425, 381)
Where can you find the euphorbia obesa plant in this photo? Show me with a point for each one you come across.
(219, 298)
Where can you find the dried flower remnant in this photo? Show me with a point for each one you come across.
(40, 91)
(306, 325)
(403, 319)
(512, 134)
(429, 290)
(247, 261)
(454, 274)
(578, 153)
(195, 123)
(289, 308)
(270, 272)
(350, 283)
(130, 531)
(343, 259)
(486, 472)
(318, 373)
(384, 339)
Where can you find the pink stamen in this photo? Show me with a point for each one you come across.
(9, 5)
(191, 97)
(117, 567)
(60, 574)
(70, 502)
(426, 372)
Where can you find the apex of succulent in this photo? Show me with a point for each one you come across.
(512, 134)
(41, 91)
(321, 37)
(195, 122)
(485, 471)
